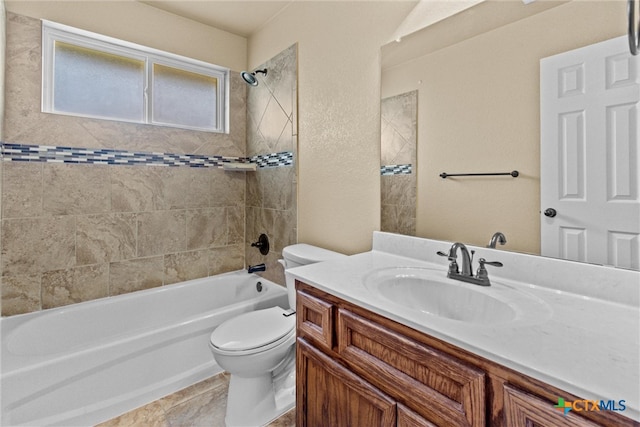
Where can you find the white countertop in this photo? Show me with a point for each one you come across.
(585, 345)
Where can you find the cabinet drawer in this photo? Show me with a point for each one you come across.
(314, 319)
(436, 386)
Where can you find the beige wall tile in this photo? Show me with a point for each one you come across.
(106, 238)
(64, 287)
(196, 189)
(57, 242)
(35, 245)
(284, 231)
(282, 78)
(398, 189)
(253, 189)
(135, 275)
(258, 221)
(185, 266)
(225, 259)
(137, 189)
(398, 219)
(161, 232)
(277, 187)
(235, 225)
(21, 190)
(206, 228)
(228, 188)
(20, 294)
(76, 189)
(176, 186)
(274, 123)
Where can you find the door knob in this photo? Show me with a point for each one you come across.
(550, 212)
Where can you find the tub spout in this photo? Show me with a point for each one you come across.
(257, 267)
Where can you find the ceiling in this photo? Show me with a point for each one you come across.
(240, 17)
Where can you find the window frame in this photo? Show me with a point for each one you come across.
(53, 32)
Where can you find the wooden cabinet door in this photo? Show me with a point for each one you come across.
(435, 385)
(522, 409)
(408, 418)
(330, 395)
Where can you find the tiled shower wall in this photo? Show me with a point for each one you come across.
(76, 232)
(398, 160)
(271, 192)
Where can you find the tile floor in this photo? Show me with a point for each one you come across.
(202, 404)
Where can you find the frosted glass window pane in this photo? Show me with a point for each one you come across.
(184, 98)
(93, 83)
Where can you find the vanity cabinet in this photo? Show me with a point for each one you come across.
(357, 368)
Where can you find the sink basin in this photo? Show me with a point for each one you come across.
(430, 291)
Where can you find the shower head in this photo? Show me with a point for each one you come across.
(250, 78)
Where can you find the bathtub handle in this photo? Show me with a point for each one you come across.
(262, 244)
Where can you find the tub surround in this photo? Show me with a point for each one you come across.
(272, 127)
(587, 344)
(91, 215)
(75, 232)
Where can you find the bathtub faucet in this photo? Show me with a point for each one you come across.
(257, 267)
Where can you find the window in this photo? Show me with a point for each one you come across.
(89, 75)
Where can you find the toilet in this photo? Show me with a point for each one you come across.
(258, 350)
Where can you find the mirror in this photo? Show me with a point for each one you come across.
(477, 78)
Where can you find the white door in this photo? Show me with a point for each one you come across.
(589, 155)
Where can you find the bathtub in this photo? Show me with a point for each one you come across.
(86, 363)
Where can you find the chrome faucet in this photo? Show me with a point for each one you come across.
(497, 237)
(467, 259)
(482, 276)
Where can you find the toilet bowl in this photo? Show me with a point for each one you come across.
(258, 350)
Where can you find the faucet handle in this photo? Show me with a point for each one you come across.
(483, 261)
(482, 271)
(453, 265)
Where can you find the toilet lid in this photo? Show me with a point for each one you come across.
(302, 253)
(252, 330)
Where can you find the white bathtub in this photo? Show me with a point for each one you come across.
(89, 362)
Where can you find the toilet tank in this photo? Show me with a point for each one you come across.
(303, 254)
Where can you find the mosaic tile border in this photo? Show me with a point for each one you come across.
(57, 154)
(395, 170)
(284, 158)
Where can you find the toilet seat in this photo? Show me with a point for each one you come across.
(253, 332)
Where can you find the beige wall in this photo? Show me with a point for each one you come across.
(146, 25)
(479, 112)
(339, 113)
